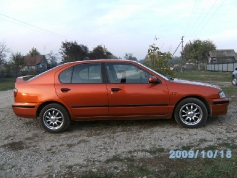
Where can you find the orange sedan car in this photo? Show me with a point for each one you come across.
(114, 89)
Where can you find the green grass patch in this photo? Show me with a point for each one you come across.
(119, 158)
(153, 151)
(186, 148)
(230, 91)
(94, 175)
(229, 145)
(211, 147)
(203, 168)
(204, 76)
(7, 83)
(162, 166)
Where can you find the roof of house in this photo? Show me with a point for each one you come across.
(223, 53)
(33, 60)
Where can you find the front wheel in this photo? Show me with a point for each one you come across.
(191, 113)
(54, 118)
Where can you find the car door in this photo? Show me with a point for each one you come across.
(82, 88)
(130, 93)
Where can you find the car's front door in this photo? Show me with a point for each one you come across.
(82, 88)
(130, 93)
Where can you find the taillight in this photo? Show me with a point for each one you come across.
(15, 92)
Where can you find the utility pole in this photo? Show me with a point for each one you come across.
(182, 42)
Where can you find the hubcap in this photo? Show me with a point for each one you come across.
(53, 119)
(190, 114)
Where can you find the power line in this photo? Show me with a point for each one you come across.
(176, 49)
(29, 25)
(182, 42)
(210, 17)
(202, 19)
(191, 16)
(197, 22)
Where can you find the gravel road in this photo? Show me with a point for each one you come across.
(26, 150)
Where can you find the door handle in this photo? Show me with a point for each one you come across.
(115, 89)
(65, 89)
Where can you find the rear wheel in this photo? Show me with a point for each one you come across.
(54, 118)
(191, 113)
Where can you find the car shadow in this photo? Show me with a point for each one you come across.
(120, 125)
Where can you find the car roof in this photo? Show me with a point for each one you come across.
(100, 60)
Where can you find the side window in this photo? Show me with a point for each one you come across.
(87, 73)
(126, 73)
(66, 75)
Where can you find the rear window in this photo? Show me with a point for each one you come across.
(82, 73)
(66, 75)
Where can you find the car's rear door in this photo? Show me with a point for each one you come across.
(130, 94)
(83, 89)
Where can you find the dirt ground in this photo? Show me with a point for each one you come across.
(26, 150)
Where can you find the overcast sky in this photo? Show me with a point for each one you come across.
(123, 26)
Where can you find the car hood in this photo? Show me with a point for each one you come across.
(195, 83)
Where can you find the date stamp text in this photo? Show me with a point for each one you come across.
(189, 154)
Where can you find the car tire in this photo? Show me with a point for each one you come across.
(191, 113)
(54, 118)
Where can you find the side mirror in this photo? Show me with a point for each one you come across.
(153, 79)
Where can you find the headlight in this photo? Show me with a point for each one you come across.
(222, 94)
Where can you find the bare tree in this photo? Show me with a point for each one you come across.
(52, 59)
(3, 51)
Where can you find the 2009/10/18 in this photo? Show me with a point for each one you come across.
(182, 154)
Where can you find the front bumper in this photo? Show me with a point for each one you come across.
(219, 106)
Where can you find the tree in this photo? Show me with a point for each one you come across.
(158, 60)
(7, 69)
(198, 51)
(52, 59)
(34, 52)
(71, 51)
(129, 56)
(100, 52)
(3, 51)
(17, 62)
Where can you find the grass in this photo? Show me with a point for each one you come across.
(162, 166)
(7, 83)
(229, 91)
(205, 76)
(159, 165)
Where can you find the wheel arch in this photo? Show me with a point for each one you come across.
(41, 106)
(197, 97)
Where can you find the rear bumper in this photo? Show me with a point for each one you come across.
(26, 110)
(219, 106)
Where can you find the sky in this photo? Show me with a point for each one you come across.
(122, 26)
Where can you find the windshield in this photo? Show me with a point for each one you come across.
(164, 77)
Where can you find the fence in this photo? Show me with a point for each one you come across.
(225, 67)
